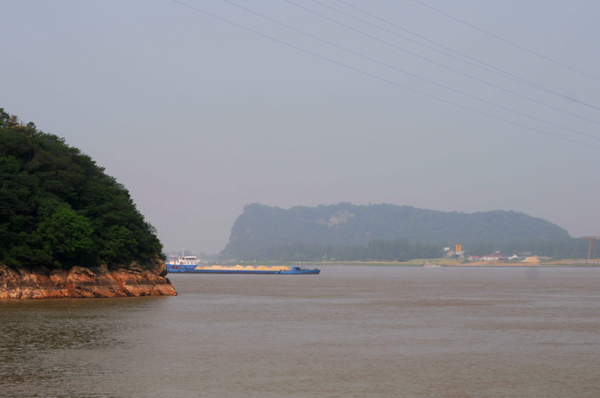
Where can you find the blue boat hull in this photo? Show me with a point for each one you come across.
(190, 270)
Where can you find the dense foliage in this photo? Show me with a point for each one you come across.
(58, 208)
(375, 250)
(403, 250)
(380, 232)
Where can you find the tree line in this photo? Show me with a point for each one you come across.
(403, 250)
(375, 250)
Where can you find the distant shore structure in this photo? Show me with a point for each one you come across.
(592, 245)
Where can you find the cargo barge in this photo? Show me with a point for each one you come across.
(190, 265)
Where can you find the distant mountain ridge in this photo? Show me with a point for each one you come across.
(262, 227)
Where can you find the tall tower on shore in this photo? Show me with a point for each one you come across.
(592, 247)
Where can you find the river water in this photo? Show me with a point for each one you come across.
(353, 331)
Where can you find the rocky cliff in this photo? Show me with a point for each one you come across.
(79, 282)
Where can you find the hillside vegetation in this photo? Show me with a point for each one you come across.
(58, 208)
(383, 231)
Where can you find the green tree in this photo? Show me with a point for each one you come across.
(4, 118)
(67, 236)
(119, 241)
(58, 208)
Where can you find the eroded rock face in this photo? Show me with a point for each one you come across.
(79, 282)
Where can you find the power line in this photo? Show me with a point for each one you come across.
(484, 67)
(504, 40)
(566, 13)
(491, 67)
(383, 79)
(407, 73)
(523, 81)
(429, 60)
(505, 20)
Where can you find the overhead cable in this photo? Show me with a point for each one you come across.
(570, 15)
(506, 41)
(383, 79)
(426, 59)
(522, 80)
(409, 73)
(507, 21)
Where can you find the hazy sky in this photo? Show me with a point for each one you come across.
(198, 117)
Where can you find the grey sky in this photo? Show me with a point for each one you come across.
(197, 117)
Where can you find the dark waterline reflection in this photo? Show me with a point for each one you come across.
(349, 332)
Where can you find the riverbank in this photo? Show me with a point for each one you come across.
(446, 262)
(461, 263)
(79, 282)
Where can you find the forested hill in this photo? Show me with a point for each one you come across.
(59, 209)
(261, 228)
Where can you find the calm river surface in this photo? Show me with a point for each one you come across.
(350, 332)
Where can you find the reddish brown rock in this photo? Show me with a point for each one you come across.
(80, 282)
(137, 281)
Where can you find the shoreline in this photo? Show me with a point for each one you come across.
(132, 280)
(435, 263)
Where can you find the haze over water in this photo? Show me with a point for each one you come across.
(349, 332)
